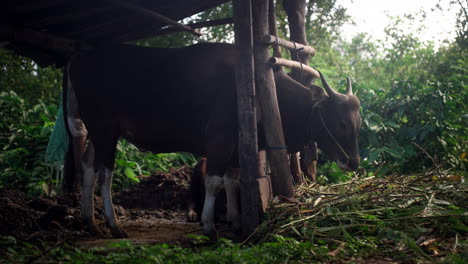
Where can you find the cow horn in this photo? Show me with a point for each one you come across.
(330, 91)
(349, 87)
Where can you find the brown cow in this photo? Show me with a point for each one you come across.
(170, 100)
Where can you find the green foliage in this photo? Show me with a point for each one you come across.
(414, 126)
(131, 162)
(24, 133)
(27, 79)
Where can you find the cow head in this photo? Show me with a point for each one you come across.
(338, 126)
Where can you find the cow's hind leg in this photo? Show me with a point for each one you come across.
(105, 183)
(87, 191)
(105, 157)
(218, 159)
(213, 183)
(231, 184)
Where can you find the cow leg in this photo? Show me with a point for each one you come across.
(213, 183)
(231, 184)
(105, 183)
(105, 158)
(309, 161)
(87, 191)
(195, 204)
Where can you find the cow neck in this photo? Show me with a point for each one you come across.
(312, 116)
(324, 125)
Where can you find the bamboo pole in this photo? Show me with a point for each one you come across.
(294, 65)
(270, 40)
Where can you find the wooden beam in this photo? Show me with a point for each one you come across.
(248, 148)
(151, 14)
(270, 40)
(42, 40)
(267, 99)
(294, 65)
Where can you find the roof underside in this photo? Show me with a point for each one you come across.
(93, 22)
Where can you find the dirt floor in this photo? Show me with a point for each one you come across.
(152, 211)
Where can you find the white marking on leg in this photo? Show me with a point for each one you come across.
(105, 182)
(87, 192)
(212, 185)
(231, 184)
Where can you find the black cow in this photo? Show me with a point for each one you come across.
(170, 100)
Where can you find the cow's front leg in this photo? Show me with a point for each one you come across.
(213, 184)
(105, 182)
(87, 191)
(231, 184)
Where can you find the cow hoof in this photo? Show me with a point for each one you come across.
(192, 216)
(118, 232)
(94, 230)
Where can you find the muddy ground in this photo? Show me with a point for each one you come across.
(152, 211)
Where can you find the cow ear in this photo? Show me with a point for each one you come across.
(317, 93)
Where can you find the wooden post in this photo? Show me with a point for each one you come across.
(248, 147)
(266, 91)
(295, 9)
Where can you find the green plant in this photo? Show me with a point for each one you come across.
(131, 163)
(24, 133)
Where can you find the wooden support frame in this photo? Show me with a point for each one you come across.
(296, 11)
(248, 147)
(294, 65)
(270, 40)
(154, 15)
(210, 23)
(267, 100)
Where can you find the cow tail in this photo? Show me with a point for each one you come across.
(69, 159)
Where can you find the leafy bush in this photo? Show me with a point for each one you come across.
(130, 163)
(24, 133)
(414, 126)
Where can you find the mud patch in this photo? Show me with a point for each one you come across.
(168, 191)
(153, 211)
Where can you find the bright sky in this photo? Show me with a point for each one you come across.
(370, 16)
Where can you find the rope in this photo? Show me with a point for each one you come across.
(331, 135)
(296, 52)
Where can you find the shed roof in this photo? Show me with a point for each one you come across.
(49, 30)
